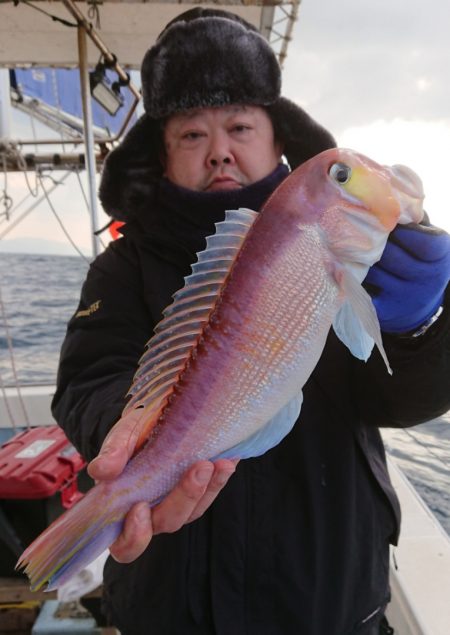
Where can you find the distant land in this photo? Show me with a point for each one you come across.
(37, 246)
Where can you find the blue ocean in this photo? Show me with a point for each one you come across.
(40, 293)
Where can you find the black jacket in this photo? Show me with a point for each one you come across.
(297, 542)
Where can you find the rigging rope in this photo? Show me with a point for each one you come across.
(46, 196)
(55, 18)
(7, 406)
(36, 203)
(13, 364)
(33, 130)
(5, 198)
(94, 13)
(10, 152)
(14, 208)
(58, 105)
(61, 224)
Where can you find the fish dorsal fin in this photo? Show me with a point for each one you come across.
(177, 335)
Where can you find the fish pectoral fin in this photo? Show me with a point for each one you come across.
(356, 323)
(269, 435)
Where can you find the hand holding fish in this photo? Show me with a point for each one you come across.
(407, 285)
(188, 500)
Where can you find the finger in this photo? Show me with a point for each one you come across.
(397, 261)
(175, 510)
(136, 534)
(223, 469)
(117, 447)
(422, 242)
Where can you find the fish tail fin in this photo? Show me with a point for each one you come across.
(71, 542)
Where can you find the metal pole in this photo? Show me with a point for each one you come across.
(88, 137)
(91, 32)
(5, 105)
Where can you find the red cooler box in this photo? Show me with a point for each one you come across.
(41, 474)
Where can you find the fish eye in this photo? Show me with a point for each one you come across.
(340, 172)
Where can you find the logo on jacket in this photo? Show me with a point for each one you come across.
(90, 310)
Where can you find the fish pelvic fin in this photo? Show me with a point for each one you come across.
(179, 332)
(71, 542)
(356, 324)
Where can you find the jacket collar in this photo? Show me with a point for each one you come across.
(178, 223)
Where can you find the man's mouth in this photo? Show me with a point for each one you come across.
(223, 183)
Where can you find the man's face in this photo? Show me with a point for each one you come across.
(225, 148)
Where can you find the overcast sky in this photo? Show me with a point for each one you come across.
(352, 62)
(376, 73)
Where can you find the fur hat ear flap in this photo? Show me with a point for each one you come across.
(302, 137)
(132, 170)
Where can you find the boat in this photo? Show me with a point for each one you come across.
(420, 566)
(119, 33)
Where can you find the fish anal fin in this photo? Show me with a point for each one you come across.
(269, 435)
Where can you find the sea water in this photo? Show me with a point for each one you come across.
(40, 294)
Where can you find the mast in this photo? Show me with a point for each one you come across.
(88, 138)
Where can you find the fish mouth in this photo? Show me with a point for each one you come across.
(410, 192)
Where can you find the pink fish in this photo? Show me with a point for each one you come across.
(223, 374)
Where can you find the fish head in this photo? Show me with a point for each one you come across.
(356, 201)
(390, 195)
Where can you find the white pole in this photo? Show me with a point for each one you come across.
(5, 105)
(91, 166)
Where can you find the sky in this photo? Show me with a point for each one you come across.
(376, 74)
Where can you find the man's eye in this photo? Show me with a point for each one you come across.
(240, 127)
(191, 136)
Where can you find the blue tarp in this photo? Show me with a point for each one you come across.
(60, 88)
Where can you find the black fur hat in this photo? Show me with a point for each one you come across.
(203, 58)
(194, 65)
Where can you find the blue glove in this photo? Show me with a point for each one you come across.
(407, 285)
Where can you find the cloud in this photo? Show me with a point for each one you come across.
(353, 62)
(422, 145)
(377, 75)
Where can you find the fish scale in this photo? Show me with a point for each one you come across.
(223, 374)
(263, 372)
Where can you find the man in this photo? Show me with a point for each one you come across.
(297, 541)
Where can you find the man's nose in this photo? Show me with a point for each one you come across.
(220, 152)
